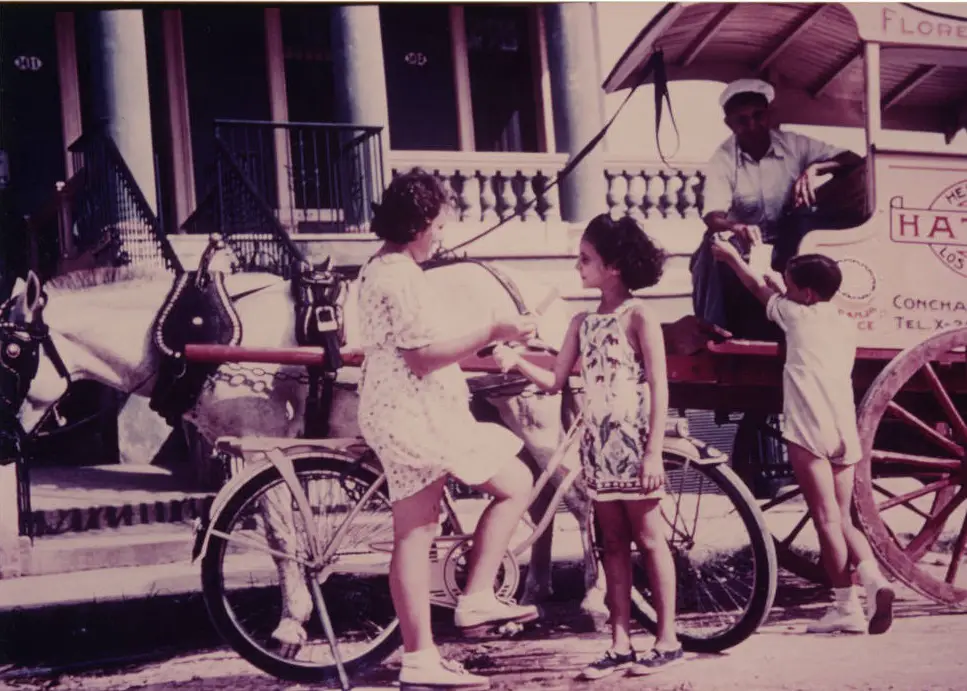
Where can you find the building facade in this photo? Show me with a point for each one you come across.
(493, 97)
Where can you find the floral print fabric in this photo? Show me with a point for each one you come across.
(421, 428)
(616, 408)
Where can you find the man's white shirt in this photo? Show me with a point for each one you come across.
(757, 192)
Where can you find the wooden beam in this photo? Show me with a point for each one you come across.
(830, 77)
(706, 34)
(802, 23)
(911, 82)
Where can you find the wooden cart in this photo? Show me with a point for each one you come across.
(888, 69)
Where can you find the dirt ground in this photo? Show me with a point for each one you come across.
(923, 651)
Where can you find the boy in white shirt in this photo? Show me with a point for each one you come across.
(819, 427)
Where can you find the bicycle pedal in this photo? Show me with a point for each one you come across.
(442, 687)
(491, 629)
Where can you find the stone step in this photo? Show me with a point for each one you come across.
(101, 497)
(143, 545)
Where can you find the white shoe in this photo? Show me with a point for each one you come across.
(439, 674)
(879, 607)
(841, 617)
(475, 616)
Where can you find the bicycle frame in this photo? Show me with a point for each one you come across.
(261, 454)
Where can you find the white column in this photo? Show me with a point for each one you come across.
(121, 91)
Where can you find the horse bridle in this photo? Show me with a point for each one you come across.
(20, 347)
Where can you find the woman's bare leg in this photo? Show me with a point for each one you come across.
(415, 524)
(511, 489)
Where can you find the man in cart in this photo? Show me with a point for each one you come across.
(762, 186)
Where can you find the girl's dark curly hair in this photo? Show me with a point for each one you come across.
(624, 244)
(409, 205)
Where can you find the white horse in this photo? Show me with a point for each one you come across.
(100, 324)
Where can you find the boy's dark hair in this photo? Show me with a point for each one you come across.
(409, 205)
(745, 98)
(816, 272)
(624, 244)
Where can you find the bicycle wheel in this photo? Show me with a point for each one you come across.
(252, 578)
(725, 560)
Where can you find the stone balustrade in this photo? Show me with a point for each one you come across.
(653, 191)
(491, 186)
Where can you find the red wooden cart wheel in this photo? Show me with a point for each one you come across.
(910, 485)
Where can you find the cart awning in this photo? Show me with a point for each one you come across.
(813, 55)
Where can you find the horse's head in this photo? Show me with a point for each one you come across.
(23, 335)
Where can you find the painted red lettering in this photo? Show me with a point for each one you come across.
(962, 31)
(914, 224)
(925, 28)
(887, 17)
(942, 225)
(944, 30)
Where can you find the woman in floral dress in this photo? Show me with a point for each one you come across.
(622, 354)
(414, 412)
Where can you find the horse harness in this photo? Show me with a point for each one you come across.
(199, 311)
(20, 345)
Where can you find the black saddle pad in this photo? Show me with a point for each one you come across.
(197, 312)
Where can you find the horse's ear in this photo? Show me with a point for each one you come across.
(326, 263)
(33, 295)
(19, 286)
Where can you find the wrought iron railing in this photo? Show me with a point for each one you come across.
(110, 209)
(316, 177)
(233, 207)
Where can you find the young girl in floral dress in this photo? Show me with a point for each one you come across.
(414, 412)
(622, 355)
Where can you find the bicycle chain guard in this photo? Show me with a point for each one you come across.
(448, 572)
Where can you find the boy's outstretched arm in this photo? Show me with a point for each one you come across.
(551, 382)
(751, 279)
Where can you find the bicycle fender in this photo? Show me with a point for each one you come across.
(294, 449)
(695, 450)
(202, 526)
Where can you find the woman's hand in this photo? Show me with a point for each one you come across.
(652, 472)
(507, 358)
(514, 330)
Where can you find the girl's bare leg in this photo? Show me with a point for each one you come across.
(616, 535)
(648, 530)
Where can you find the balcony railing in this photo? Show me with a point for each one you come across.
(316, 177)
(491, 186)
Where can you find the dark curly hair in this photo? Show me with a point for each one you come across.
(409, 205)
(816, 272)
(624, 244)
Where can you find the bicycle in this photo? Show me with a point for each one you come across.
(341, 547)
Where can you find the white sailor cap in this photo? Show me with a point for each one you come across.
(742, 86)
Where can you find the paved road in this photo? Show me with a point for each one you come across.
(924, 651)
